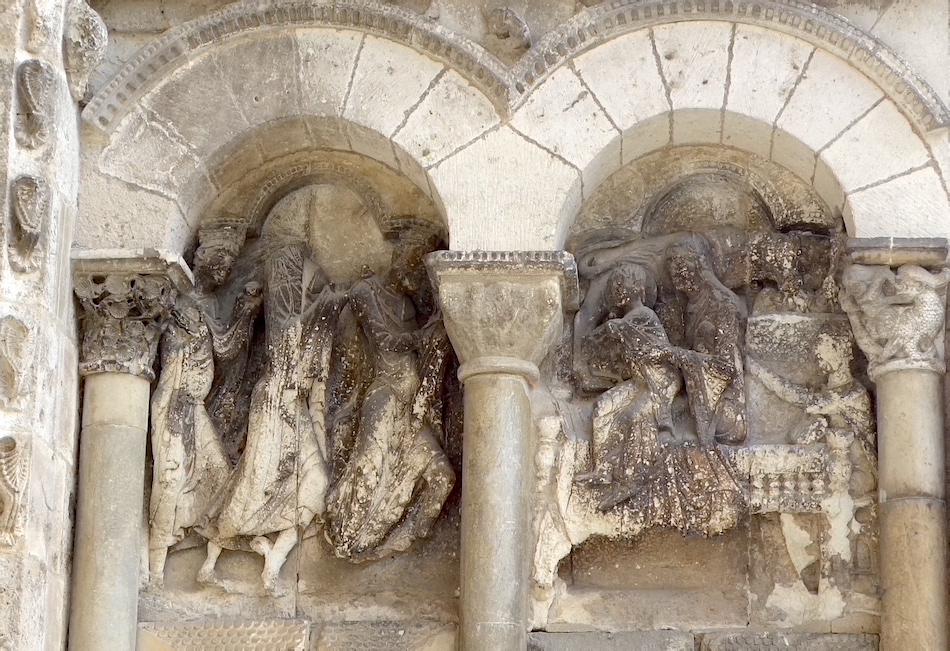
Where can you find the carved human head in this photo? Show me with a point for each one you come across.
(629, 285)
(685, 262)
(412, 239)
(835, 352)
(218, 246)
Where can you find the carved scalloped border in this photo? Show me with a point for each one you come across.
(175, 46)
(807, 22)
(508, 88)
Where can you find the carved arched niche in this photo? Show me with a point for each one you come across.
(719, 465)
(307, 413)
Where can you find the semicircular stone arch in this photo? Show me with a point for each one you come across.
(209, 122)
(701, 82)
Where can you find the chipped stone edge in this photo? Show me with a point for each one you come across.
(511, 263)
(134, 261)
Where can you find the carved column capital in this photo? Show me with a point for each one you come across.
(503, 310)
(125, 302)
(897, 316)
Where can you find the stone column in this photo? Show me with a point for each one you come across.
(121, 324)
(502, 312)
(898, 321)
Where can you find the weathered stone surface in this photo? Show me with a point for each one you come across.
(645, 641)
(803, 641)
(292, 635)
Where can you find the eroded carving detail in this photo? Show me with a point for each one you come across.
(35, 80)
(898, 318)
(16, 359)
(12, 471)
(84, 45)
(396, 477)
(122, 321)
(30, 208)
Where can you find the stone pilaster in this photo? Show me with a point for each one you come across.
(897, 316)
(502, 312)
(123, 314)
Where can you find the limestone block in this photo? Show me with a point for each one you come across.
(800, 641)
(451, 115)
(370, 636)
(288, 635)
(827, 186)
(624, 77)
(917, 30)
(829, 97)
(882, 144)
(199, 102)
(924, 210)
(148, 151)
(626, 641)
(793, 154)
(757, 89)
(116, 214)
(694, 58)
(410, 168)
(326, 65)
(697, 126)
(647, 136)
(388, 82)
(563, 117)
(263, 92)
(505, 193)
(747, 133)
(369, 143)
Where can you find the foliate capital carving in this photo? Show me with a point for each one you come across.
(503, 305)
(897, 316)
(122, 320)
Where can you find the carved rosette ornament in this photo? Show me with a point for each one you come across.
(897, 317)
(122, 321)
(34, 79)
(29, 209)
(84, 45)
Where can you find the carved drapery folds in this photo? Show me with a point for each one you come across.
(298, 393)
(122, 320)
(710, 376)
(17, 345)
(897, 317)
(34, 92)
(12, 470)
(30, 205)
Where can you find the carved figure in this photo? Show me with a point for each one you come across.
(279, 486)
(190, 464)
(85, 38)
(714, 325)
(897, 318)
(16, 354)
(30, 207)
(11, 485)
(842, 404)
(396, 477)
(34, 103)
(663, 481)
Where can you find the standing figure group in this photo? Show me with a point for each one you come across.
(378, 488)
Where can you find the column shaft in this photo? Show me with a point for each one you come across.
(495, 513)
(109, 513)
(913, 511)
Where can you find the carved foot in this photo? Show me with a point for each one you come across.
(206, 577)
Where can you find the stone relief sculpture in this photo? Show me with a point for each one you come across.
(896, 317)
(279, 484)
(11, 484)
(16, 355)
(29, 212)
(396, 477)
(712, 377)
(288, 402)
(85, 38)
(34, 87)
